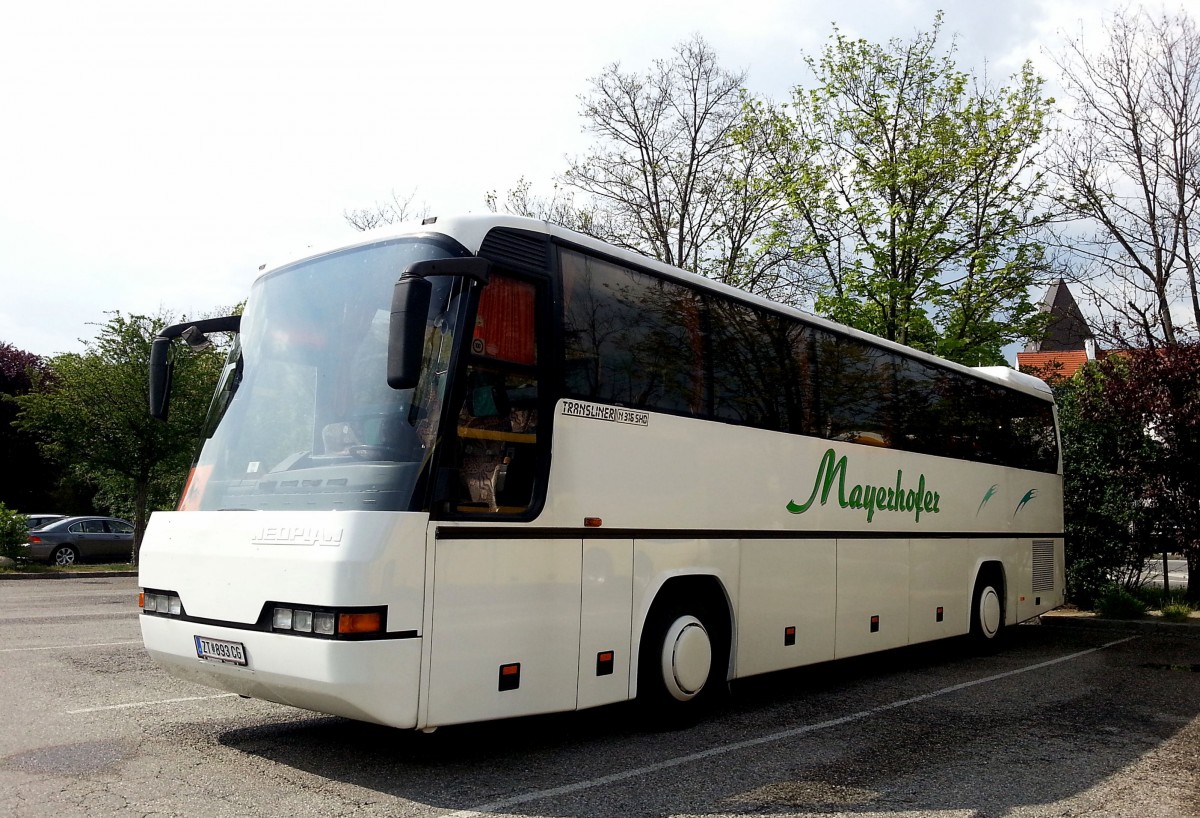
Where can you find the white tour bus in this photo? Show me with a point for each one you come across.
(485, 467)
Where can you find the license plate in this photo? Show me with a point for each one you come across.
(219, 650)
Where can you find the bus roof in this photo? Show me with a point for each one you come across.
(470, 231)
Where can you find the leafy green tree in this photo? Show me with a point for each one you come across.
(914, 193)
(95, 421)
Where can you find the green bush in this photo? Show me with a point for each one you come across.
(1118, 603)
(1176, 611)
(14, 532)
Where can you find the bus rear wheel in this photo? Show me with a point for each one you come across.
(987, 612)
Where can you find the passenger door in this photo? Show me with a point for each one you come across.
(498, 455)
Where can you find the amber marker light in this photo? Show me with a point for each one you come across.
(592, 522)
(360, 622)
(141, 599)
(510, 677)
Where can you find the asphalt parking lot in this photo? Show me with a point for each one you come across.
(1064, 721)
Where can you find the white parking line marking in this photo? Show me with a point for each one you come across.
(151, 703)
(566, 789)
(69, 647)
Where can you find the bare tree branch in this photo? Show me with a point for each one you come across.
(390, 212)
(1129, 172)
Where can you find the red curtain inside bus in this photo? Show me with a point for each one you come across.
(504, 326)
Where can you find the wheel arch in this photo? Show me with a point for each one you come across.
(702, 588)
(992, 568)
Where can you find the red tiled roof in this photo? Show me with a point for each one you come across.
(1052, 365)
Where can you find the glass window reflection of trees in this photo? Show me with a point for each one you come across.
(636, 340)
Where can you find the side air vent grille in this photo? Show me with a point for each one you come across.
(1043, 565)
(517, 249)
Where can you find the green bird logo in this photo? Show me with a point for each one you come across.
(1029, 495)
(989, 494)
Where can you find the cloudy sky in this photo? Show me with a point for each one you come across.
(153, 155)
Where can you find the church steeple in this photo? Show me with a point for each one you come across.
(1068, 330)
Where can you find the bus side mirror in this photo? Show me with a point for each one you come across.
(161, 365)
(160, 378)
(410, 308)
(406, 332)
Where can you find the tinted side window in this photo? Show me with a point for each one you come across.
(918, 418)
(761, 367)
(636, 340)
(1032, 428)
(631, 338)
(855, 391)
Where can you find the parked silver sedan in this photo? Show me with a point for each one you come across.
(75, 539)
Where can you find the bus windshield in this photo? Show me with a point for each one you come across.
(303, 417)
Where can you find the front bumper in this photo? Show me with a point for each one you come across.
(375, 681)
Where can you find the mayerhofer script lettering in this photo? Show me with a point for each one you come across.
(871, 498)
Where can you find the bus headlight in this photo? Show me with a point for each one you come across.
(339, 623)
(161, 602)
(323, 622)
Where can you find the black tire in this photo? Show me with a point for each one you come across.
(682, 662)
(64, 555)
(987, 612)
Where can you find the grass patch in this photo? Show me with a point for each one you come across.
(1176, 612)
(1156, 599)
(85, 568)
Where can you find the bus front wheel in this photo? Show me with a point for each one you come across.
(686, 658)
(681, 662)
